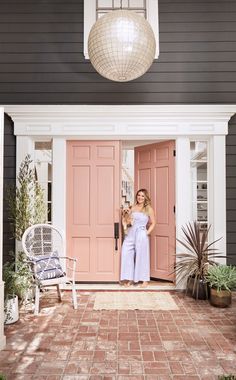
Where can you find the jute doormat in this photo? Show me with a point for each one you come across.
(134, 301)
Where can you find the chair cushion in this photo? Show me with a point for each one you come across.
(47, 266)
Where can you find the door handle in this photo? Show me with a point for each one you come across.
(116, 234)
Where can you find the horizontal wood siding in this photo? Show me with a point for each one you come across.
(231, 190)
(42, 60)
(9, 179)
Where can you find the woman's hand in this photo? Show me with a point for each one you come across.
(152, 221)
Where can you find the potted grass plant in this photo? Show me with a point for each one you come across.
(17, 286)
(11, 308)
(192, 266)
(221, 279)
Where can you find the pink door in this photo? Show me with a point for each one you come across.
(154, 170)
(93, 202)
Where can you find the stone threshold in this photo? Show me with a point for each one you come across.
(111, 286)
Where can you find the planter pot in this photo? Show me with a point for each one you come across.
(223, 298)
(201, 289)
(11, 310)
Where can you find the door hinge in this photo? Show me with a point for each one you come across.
(174, 209)
(174, 152)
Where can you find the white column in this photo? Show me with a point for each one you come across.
(183, 187)
(218, 194)
(2, 336)
(59, 183)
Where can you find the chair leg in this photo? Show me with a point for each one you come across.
(74, 296)
(59, 292)
(36, 305)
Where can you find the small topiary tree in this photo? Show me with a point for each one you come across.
(26, 206)
(25, 200)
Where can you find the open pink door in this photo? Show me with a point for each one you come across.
(93, 204)
(155, 171)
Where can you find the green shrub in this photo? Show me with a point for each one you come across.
(227, 377)
(2, 376)
(222, 277)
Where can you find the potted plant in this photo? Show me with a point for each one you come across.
(26, 206)
(221, 279)
(192, 266)
(18, 283)
(11, 308)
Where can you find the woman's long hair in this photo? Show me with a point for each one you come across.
(147, 200)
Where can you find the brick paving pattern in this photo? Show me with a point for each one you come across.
(197, 342)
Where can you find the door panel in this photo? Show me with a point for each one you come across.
(155, 171)
(93, 204)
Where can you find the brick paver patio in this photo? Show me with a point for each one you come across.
(196, 342)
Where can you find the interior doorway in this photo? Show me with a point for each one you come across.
(151, 165)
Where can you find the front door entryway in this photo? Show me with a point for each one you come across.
(155, 171)
(94, 201)
(93, 206)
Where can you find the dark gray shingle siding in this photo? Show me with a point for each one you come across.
(42, 60)
(231, 190)
(9, 179)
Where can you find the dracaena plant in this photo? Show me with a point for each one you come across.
(199, 254)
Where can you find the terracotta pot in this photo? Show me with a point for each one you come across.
(201, 289)
(223, 298)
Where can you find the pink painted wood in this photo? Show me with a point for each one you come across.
(155, 171)
(93, 205)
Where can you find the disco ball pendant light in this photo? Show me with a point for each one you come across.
(121, 45)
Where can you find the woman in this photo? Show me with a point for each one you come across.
(135, 256)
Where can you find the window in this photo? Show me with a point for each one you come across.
(43, 169)
(105, 6)
(199, 174)
(94, 9)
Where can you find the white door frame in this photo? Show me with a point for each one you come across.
(129, 122)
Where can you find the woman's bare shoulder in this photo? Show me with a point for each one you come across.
(150, 210)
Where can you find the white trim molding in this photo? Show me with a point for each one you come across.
(121, 122)
(90, 19)
(2, 336)
(218, 154)
(182, 190)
